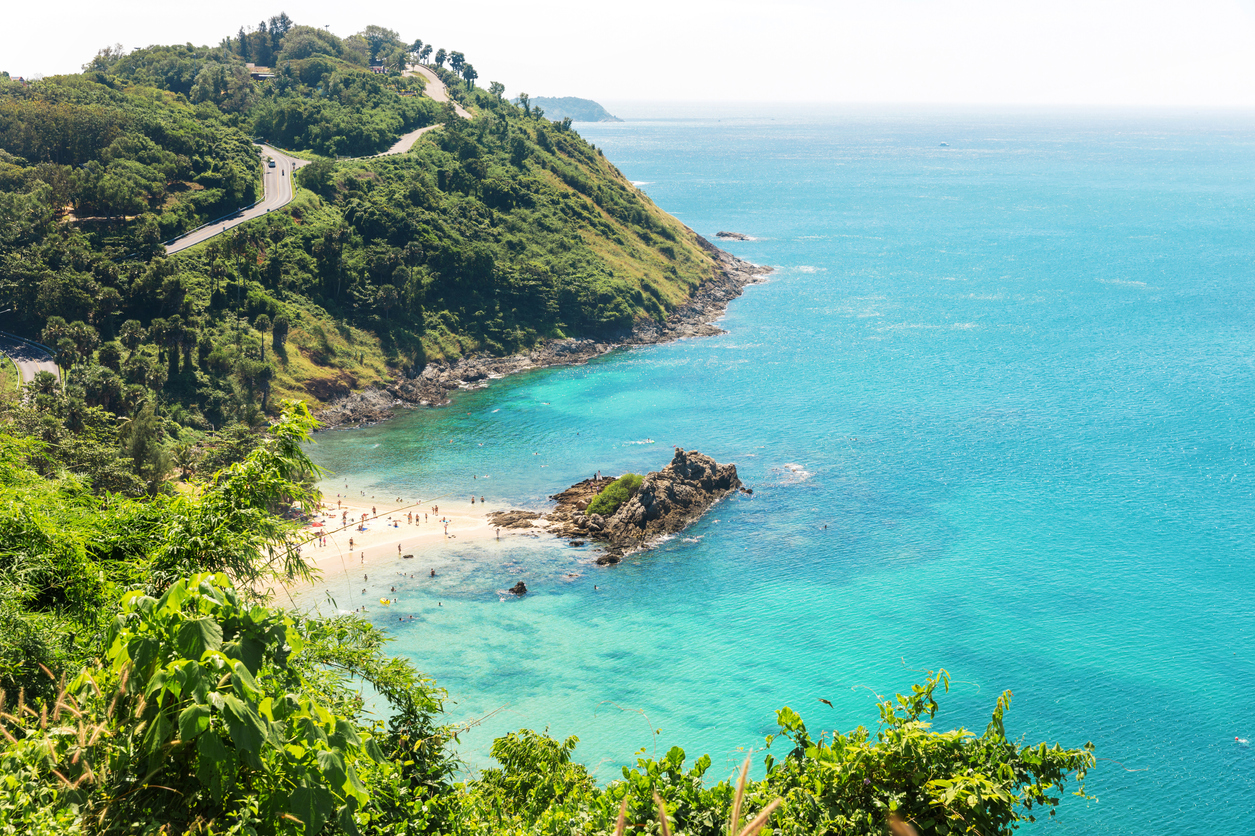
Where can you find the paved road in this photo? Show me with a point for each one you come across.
(277, 188)
(435, 87)
(30, 359)
(406, 141)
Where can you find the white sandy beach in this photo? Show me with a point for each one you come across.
(388, 534)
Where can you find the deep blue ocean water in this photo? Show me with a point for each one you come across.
(1012, 374)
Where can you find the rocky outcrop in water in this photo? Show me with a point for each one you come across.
(668, 501)
(431, 387)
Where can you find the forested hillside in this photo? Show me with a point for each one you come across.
(492, 234)
(150, 681)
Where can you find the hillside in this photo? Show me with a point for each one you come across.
(569, 107)
(492, 235)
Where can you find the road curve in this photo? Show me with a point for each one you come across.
(278, 191)
(435, 87)
(29, 359)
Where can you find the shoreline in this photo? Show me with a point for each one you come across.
(431, 388)
(417, 546)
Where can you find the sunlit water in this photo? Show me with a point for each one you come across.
(1012, 375)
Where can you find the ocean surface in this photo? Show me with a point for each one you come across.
(997, 405)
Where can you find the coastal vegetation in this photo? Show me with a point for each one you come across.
(151, 680)
(492, 235)
(149, 684)
(615, 494)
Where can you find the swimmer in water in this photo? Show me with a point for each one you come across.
(1241, 741)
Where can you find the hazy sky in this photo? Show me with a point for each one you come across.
(1133, 52)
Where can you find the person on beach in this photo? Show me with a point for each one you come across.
(350, 544)
(433, 573)
(398, 548)
(472, 499)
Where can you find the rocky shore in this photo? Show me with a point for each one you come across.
(667, 502)
(431, 387)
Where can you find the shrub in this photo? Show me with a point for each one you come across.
(615, 494)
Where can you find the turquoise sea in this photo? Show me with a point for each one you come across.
(1005, 358)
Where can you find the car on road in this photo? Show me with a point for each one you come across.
(270, 161)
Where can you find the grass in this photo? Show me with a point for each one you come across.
(10, 378)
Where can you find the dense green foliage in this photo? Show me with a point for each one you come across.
(491, 235)
(145, 684)
(149, 683)
(615, 494)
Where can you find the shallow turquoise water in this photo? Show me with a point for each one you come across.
(1014, 378)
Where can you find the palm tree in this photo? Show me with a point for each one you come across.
(468, 73)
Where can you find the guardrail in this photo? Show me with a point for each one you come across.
(230, 214)
(51, 352)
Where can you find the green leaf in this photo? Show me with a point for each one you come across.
(312, 805)
(198, 635)
(332, 766)
(193, 720)
(248, 731)
(216, 766)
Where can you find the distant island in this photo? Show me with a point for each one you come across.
(569, 107)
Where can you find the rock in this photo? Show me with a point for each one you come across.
(513, 519)
(670, 500)
(519, 588)
(733, 236)
(666, 502)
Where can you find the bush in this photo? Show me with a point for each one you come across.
(615, 494)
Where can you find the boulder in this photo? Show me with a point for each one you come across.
(519, 588)
(670, 499)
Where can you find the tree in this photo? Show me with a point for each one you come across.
(131, 334)
(525, 101)
(441, 55)
(496, 88)
(417, 46)
(143, 437)
(110, 355)
(424, 53)
(456, 60)
(468, 73)
(378, 37)
(279, 332)
(262, 324)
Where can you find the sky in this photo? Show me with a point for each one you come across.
(1193, 53)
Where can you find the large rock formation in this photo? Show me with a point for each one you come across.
(671, 499)
(668, 501)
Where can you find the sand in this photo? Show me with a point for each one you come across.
(386, 529)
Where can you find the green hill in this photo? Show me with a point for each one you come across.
(569, 107)
(150, 683)
(492, 234)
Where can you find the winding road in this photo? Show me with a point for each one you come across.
(278, 191)
(277, 181)
(29, 359)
